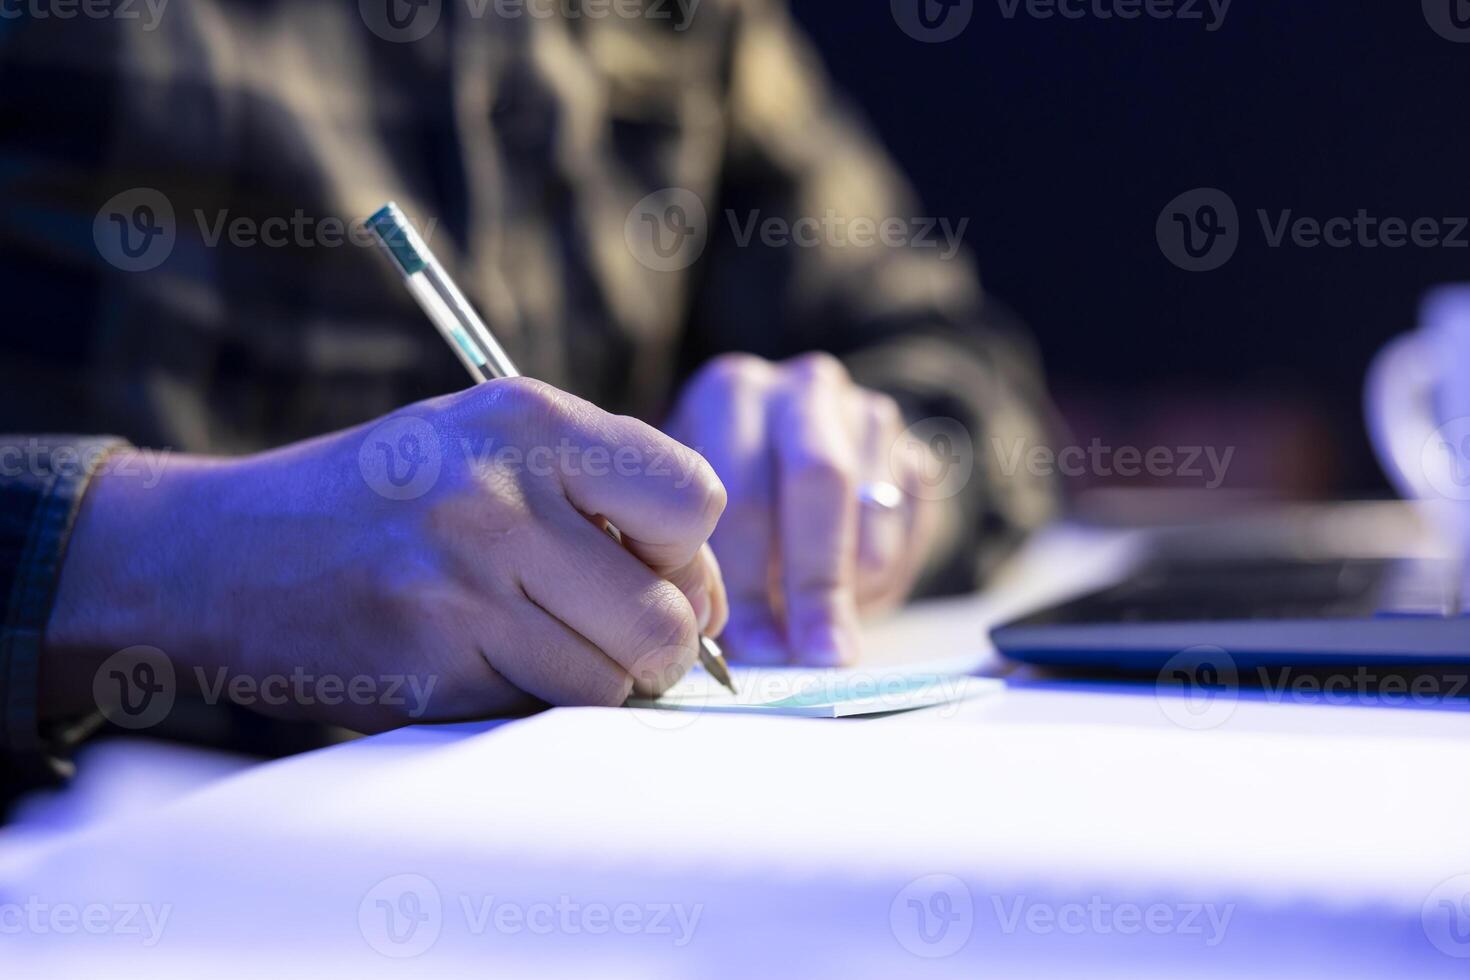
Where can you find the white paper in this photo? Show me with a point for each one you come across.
(819, 693)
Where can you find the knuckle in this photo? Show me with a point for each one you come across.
(823, 476)
(526, 397)
(886, 411)
(818, 367)
(735, 370)
(695, 495)
(816, 590)
(665, 634)
(706, 494)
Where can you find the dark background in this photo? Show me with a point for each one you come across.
(1062, 141)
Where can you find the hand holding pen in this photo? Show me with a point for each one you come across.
(481, 354)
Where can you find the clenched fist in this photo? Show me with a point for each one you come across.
(461, 540)
(803, 555)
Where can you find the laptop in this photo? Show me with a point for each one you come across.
(1308, 587)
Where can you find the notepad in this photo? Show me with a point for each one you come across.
(819, 693)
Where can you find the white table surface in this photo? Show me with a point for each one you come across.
(1054, 829)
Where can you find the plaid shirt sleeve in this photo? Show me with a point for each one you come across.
(42, 479)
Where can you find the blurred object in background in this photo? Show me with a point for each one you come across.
(1418, 410)
(1249, 438)
(1064, 138)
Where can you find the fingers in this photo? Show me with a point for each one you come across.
(725, 414)
(630, 614)
(704, 587)
(700, 581)
(817, 476)
(550, 661)
(662, 496)
(883, 534)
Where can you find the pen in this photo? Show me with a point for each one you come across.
(478, 350)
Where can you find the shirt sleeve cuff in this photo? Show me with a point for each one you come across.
(42, 481)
